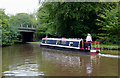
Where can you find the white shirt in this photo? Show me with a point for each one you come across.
(88, 38)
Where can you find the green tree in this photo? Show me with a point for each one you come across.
(109, 27)
(66, 19)
(44, 23)
(23, 19)
(9, 34)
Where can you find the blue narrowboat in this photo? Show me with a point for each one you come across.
(77, 44)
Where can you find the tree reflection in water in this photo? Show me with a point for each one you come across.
(72, 63)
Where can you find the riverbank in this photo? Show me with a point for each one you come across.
(34, 42)
(109, 47)
(111, 52)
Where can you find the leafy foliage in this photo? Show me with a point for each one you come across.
(109, 27)
(9, 34)
(66, 19)
(23, 19)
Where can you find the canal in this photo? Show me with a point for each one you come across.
(33, 60)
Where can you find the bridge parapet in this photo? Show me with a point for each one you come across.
(26, 28)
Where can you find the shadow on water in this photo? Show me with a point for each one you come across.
(32, 60)
(65, 50)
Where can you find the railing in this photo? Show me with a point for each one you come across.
(26, 27)
(94, 45)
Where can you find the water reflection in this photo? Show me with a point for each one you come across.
(72, 63)
(31, 60)
(20, 61)
(24, 70)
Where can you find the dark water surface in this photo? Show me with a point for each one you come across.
(32, 60)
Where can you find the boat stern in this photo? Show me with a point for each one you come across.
(94, 51)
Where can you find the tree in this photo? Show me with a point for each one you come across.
(109, 27)
(69, 19)
(66, 19)
(9, 34)
(23, 19)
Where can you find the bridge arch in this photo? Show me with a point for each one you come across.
(27, 33)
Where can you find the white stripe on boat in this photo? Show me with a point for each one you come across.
(63, 39)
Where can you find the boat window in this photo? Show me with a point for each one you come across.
(57, 42)
(63, 42)
(70, 43)
(46, 41)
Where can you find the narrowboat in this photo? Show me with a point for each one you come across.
(75, 44)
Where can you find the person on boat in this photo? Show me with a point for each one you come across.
(46, 36)
(89, 40)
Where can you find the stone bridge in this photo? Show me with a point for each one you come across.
(27, 33)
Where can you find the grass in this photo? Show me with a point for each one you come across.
(113, 52)
(109, 47)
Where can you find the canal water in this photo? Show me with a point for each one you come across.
(33, 60)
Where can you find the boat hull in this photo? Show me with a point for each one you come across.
(72, 48)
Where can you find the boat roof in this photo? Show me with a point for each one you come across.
(63, 39)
